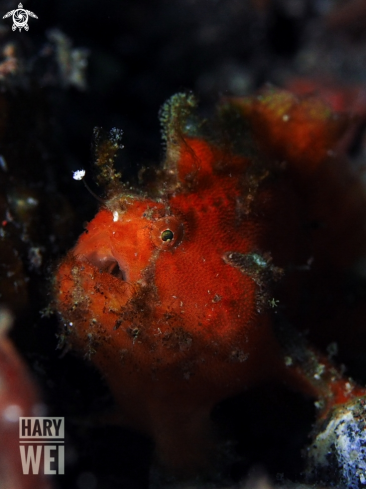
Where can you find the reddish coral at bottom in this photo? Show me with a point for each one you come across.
(18, 397)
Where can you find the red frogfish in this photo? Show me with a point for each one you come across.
(172, 288)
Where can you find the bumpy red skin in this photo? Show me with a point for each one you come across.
(177, 327)
(198, 321)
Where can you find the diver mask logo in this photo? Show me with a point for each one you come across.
(20, 18)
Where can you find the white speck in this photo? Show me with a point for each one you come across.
(319, 371)
(12, 413)
(78, 174)
(259, 260)
(115, 216)
(285, 118)
(71, 324)
(32, 201)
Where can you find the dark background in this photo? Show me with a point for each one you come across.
(141, 53)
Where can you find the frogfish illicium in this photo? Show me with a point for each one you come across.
(172, 289)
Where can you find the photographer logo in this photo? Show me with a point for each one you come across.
(42, 439)
(20, 18)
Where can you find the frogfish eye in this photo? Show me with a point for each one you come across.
(167, 232)
(167, 235)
